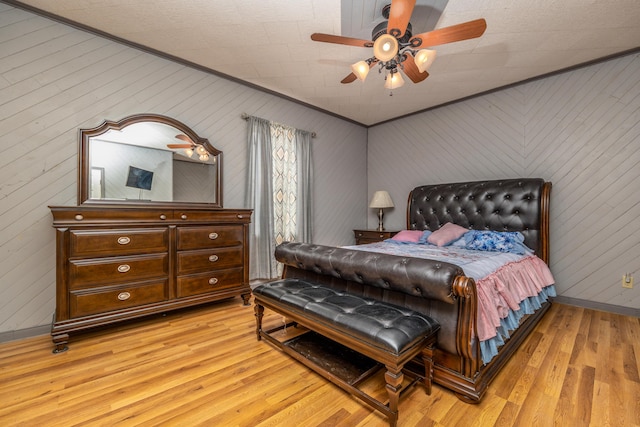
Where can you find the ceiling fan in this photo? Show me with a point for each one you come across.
(190, 147)
(395, 48)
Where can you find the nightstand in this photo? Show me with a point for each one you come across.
(372, 236)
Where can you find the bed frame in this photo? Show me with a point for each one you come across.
(439, 290)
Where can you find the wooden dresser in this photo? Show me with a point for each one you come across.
(117, 262)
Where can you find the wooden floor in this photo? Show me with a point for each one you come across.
(205, 367)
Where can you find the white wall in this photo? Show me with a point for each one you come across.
(580, 130)
(55, 79)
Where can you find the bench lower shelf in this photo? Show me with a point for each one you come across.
(348, 365)
(341, 365)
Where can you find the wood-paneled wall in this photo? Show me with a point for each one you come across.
(579, 129)
(55, 79)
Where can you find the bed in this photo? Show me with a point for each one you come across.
(470, 351)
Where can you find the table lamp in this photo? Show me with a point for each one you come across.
(381, 200)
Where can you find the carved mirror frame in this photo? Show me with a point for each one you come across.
(84, 158)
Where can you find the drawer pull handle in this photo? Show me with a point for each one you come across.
(124, 268)
(123, 296)
(124, 240)
(213, 258)
(79, 217)
(213, 281)
(163, 217)
(240, 216)
(213, 236)
(183, 216)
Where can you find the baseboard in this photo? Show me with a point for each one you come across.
(25, 333)
(610, 308)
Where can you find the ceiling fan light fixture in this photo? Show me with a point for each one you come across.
(424, 58)
(360, 69)
(394, 81)
(189, 152)
(385, 47)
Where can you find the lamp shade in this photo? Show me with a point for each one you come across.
(381, 199)
(394, 81)
(424, 58)
(385, 47)
(360, 69)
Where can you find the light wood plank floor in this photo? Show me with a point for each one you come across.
(204, 366)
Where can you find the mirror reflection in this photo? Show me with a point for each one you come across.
(148, 159)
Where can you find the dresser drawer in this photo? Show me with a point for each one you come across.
(209, 282)
(86, 273)
(101, 300)
(118, 242)
(95, 215)
(372, 236)
(229, 216)
(209, 259)
(209, 236)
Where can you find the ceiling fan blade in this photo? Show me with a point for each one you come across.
(399, 16)
(350, 78)
(179, 145)
(454, 33)
(411, 69)
(185, 138)
(329, 38)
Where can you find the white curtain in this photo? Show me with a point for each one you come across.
(259, 198)
(279, 185)
(304, 231)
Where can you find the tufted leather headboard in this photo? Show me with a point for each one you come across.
(499, 205)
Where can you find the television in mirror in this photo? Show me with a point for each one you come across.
(139, 178)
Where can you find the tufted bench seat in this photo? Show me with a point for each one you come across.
(389, 334)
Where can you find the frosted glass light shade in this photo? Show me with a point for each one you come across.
(381, 199)
(424, 58)
(360, 69)
(394, 81)
(385, 47)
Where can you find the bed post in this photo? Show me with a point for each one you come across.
(465, 289)
(545, 197)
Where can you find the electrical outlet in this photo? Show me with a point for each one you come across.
(627, 281)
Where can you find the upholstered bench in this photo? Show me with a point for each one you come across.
(386, 333)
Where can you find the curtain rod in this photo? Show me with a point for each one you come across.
(246, 116)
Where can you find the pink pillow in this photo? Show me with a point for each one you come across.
(446, 234)
(408, 236)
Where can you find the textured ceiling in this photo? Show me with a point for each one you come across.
(267, 43)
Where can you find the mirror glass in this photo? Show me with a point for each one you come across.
(148, 158)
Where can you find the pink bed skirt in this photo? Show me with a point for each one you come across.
(504, 290)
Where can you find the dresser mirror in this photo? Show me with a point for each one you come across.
(148, 158)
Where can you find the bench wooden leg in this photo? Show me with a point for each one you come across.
(427, 358)
(259, 313)
(394, 378)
